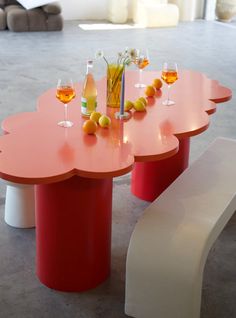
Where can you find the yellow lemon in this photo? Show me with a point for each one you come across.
(128, 105)
(104, 121)
(150, 91)
(157, 83)
(89, 127)
(139, 106)
(143, 100)
(95, 116)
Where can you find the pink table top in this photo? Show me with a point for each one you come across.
(36, 150)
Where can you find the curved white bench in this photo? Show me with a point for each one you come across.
(169, 246)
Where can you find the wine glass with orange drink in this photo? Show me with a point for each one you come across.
(65, 93)
(169, 76)
(141, 61)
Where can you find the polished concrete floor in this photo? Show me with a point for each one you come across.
(30, 63)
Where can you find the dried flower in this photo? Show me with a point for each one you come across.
(133, 54)
(99, 54)
(126, 58)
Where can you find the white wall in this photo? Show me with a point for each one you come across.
(189, 9)
(200, 9)
(98, 9)
(210, 10)
(86, 9)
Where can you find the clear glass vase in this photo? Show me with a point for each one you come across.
(114, 77)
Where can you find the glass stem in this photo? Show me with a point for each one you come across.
(140, 75)
(65, 111)
(168, 94)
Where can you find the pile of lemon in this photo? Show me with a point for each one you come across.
(96, 118)
(141, 103)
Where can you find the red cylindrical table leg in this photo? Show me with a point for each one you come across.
(73, 233)
(150, 179)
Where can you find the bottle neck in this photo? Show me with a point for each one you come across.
(89, 67)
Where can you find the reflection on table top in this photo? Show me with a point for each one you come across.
(37, 150)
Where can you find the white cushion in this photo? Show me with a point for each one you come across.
(150, 14)
(118, 11)
(30, 4)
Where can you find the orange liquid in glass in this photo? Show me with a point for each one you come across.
(65, 94)
(142, 63)
(169, 76)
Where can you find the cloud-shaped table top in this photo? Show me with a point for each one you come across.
(36, 150)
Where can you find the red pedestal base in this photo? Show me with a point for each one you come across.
(150, 179)
(73, 233)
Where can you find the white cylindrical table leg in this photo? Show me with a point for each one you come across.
(20, 205)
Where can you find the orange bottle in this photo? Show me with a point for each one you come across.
(89, 93)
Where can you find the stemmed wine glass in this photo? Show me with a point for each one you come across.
(141, 61)
(65, 93)
(169, 76)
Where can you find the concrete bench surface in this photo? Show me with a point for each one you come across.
(170, 243)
